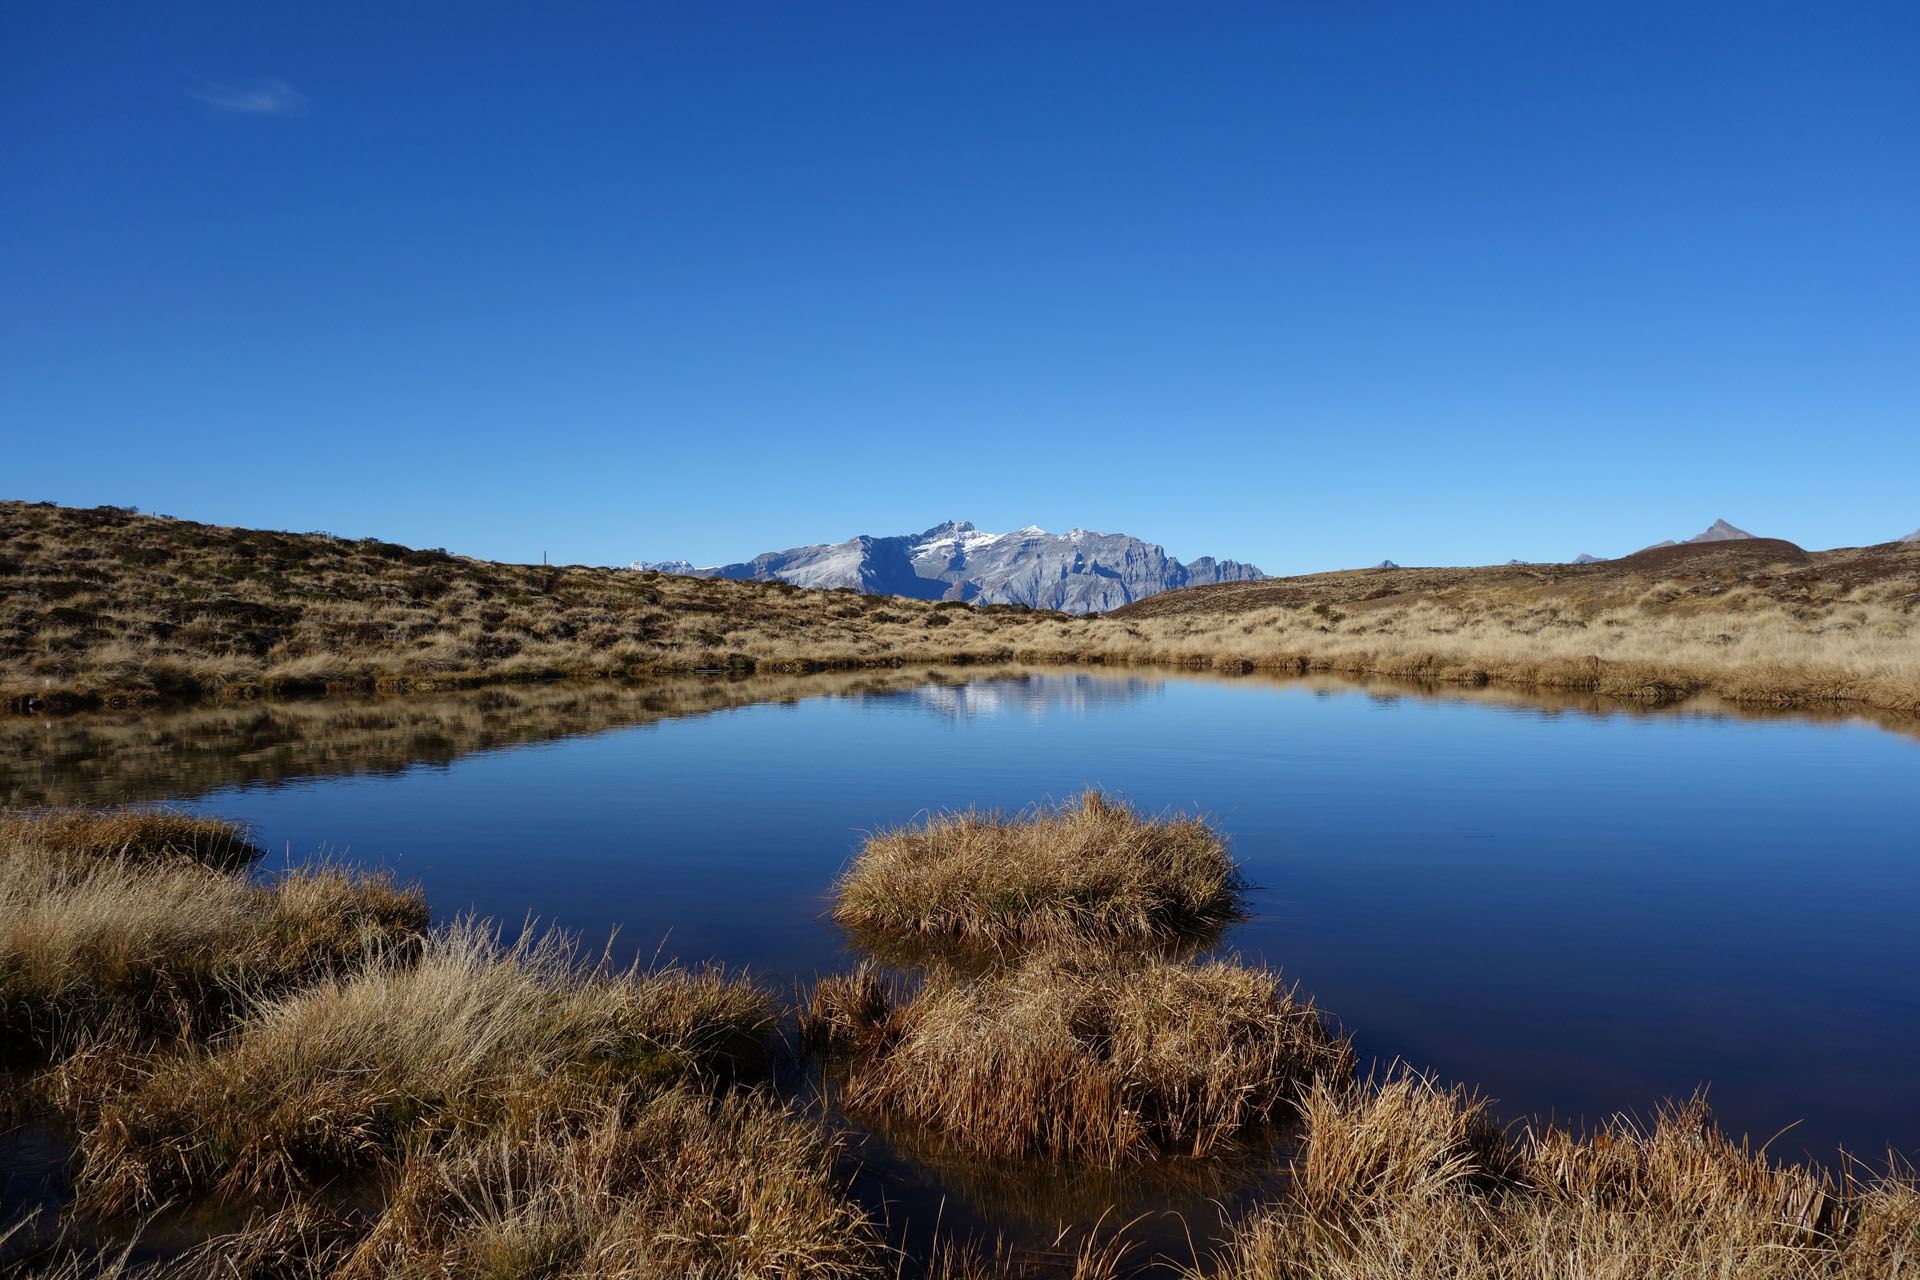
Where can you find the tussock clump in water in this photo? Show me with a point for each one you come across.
(1403, 1179)
(469, 1036)
(132, 836)
(112, 928)
(660, 1188)
(1093, 869)
(1087, 1060)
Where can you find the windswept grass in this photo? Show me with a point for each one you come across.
(469, 1036)
(1081, 1059)
(660, 1187)
(1091, 870)
(1405, 1180)
(113, 929)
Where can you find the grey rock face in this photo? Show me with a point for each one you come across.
(1388, 564)
(665, 566)
(1077, 572)
(1584, 558)
(1912, 537)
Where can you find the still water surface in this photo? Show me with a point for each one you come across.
(1578, 909)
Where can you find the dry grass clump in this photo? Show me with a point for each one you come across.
(669, 1185)
(1082, 1059)
(132, 836)
(1404, 1179)
(471, 1035)
(108, 938)
(1089, 870)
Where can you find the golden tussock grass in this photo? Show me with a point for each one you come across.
(666, 1185)
(469, 1035)
(1401, 1178)
(113, 930)
(131, 836)
(1082, 1058)
(1092, 869)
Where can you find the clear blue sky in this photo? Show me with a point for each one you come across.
(1306, 285)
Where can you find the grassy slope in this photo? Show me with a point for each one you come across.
(104, 605)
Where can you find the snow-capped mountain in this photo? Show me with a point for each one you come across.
(1078, 571)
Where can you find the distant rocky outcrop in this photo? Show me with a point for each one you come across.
(1718, 531)
(1584, 558)
(1386, 564)
(1912, 537)
(667, 566)
(1077, 572)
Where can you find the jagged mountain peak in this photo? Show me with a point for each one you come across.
(1081, 571)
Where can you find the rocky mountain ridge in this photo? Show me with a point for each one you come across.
(1080, 571)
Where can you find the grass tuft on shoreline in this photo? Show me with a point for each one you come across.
(658, 1187)
(114, 932)
(469, 1036)
(130, 835)
(1083, 1059)
(1407, 1180)
(1090, 870)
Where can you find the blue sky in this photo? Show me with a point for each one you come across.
(1305, 285)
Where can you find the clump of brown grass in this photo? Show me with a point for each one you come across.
(667, 1185)
(131, 836)
(1083, 1059)
(1405, 1179)
(113, 931)
(1093, 869)
(471, 1035)
(1404, 1140)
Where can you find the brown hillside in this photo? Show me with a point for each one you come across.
(1772, 568)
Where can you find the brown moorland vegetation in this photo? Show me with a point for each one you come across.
(108, 606)
(1758, 621)
(1090, 870)
(116, 933)
(1403, 1180)
(466, 1038)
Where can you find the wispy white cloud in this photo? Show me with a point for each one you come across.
(260, 98)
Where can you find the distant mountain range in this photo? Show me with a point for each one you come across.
(1077, 572)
